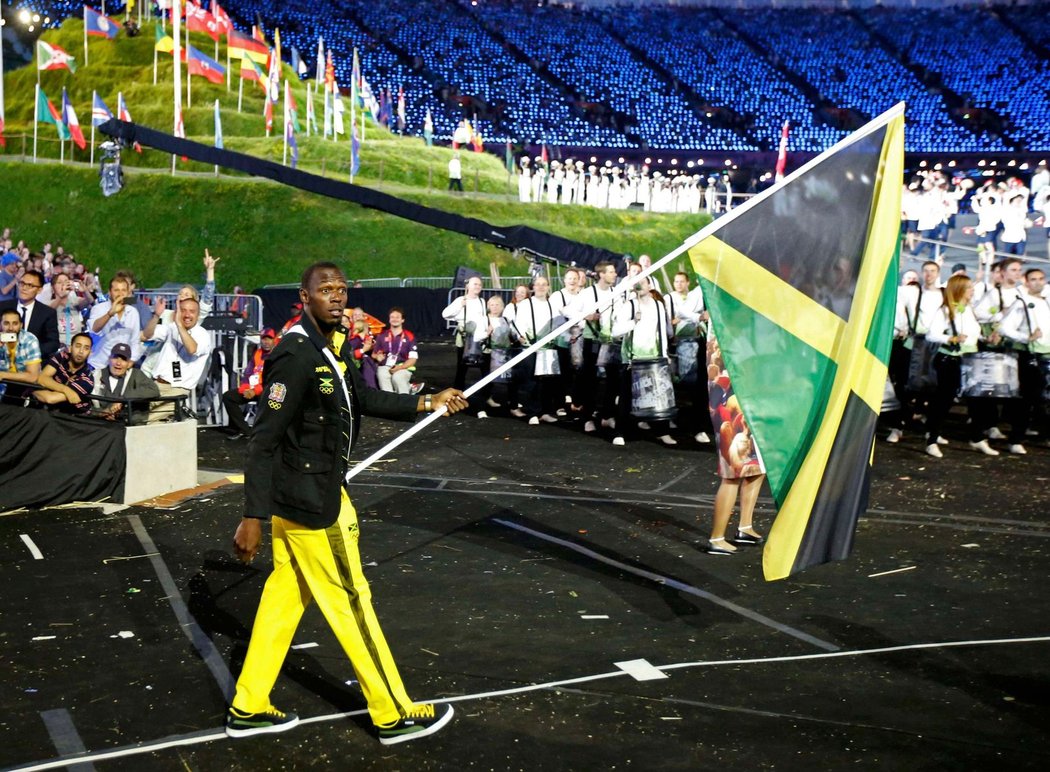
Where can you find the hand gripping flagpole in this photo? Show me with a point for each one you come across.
(708, 230)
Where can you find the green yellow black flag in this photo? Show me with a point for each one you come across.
(801, 285)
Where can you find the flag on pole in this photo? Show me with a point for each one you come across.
(280, 58)
(311, 114)
(384, 108)
(125, 115)
(329, 90)
(218, 127)
(475, 137)
(251, 71)
(48, 113)
(355, 152)
(273, 89)
(544, 156)
(53, 57)
(198, 63)
(97, 24)
(801, 283)
(320, 60)
(298, 64)
(293, 107)
(401, 109)
(69, 118)
(508, 158)
(337, 112)
(290, 126)
(3, 142)
(99, 112)
(165, 44)
(782, 154)
(222, 19)
(199, 20)
(241, 46)
(428, 129)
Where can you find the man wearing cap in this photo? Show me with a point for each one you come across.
(959, 269)
(250, 386)
(120, 380)
(66, 379)
(37, 318)
(8, 276)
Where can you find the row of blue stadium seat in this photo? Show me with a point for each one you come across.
(511, 57)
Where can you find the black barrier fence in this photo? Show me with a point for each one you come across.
(422, 307)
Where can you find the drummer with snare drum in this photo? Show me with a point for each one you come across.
(955, 328)
(689, 322)
(645, 324)
(1027, 325)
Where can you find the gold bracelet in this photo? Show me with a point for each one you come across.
(426, 404)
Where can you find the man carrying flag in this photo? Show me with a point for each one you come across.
(53, 57)
(69, 117)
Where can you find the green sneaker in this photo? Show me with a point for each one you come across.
(241, 724)
(421, 720)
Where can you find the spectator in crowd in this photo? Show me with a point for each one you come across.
(184, 355)
(250, 387)
(359, 342)
(66, 379)
(395, 354)
(37, 318)
(121, 380)
(65, 298)
(19, 358)
(114, 321)
(10, 271)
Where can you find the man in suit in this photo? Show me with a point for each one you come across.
(37, 318)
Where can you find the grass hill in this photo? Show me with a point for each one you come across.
(160, 225)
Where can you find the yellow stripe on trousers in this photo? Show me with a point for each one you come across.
(322, 565)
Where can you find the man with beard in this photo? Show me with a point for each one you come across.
(66, 379)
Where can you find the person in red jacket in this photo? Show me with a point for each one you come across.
(250, 386)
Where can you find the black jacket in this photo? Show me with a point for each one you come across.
(44, 324)
(300, 445)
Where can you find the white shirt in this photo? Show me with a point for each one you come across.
(122, 329)
(172, 350)
(1028, 314)
(965, 323)
(465, 310)
(455, 170)
(26, 312)
(586, 300)
(533, 318)
(988, 308)
(649, 331)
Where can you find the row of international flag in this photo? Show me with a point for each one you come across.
(254, 54)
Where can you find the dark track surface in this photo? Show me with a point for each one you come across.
(472, 603)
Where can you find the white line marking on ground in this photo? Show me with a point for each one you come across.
(33, 549)
(310, 645)
(641, 670)
(197, 738)
(893, 571)
(665, 581)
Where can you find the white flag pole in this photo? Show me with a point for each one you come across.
(85, 37)
(176, 28)
(94, 97)
(36, 115)
(240, 94)
(284, 126)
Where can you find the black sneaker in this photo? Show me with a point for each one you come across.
(240, 724)
(421, 720)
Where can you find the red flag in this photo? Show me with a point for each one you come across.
(543, 154)
(782, 155)
(3, 142)
(198, 63)
(199, 20)
(222, 19)
(69, 117)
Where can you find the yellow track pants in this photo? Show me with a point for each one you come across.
(322, 565)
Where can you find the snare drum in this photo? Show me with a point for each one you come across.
(546, 363)
(472, 353)
(498, 358)
(688, 352)
(652, 390)
(1043, 362)
(990, 374)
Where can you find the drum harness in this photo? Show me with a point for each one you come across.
(661, 330)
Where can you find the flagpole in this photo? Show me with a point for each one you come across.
(3, 115)
(309, 108)
(94, 98)
(85, 36)
(284, 126)
(176, 26)
(240, 93)
(36, 116)
(154, 65)
(217, 119)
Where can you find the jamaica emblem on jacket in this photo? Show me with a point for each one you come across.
(327, 386)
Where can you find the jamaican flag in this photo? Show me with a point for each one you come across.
(801, 286)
